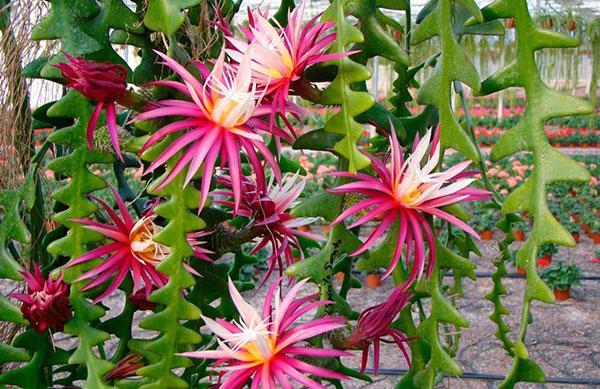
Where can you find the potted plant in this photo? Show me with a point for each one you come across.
(596, 257)
(519, 231)
(561, 277)
(373, 279)
(484, 221)
(547, 250)
(594, 229)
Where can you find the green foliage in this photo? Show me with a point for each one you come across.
(167, 15)
(339, 92)
(550, 166)
(452, 64)
(161, 351)
(561, 276)
(79, 182)
(442, 311)
(83, 28)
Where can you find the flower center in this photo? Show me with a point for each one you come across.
(142, 243)
(410, 196)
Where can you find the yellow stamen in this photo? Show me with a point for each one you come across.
(410, 196)
(142, 243)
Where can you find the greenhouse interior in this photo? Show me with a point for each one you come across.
(299, 194)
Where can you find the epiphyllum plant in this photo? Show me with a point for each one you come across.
(223, 118)
(405, 191)
(281, 54)
(268, 212)
(103, 83)
(268, 348)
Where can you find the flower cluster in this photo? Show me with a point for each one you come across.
(219, 126)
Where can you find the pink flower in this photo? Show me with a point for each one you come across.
(405, 192)
(373, 327)
(223, 118)
(268, 349)
(269, 212)
(511, 181)
(46, 303)
(491, 172)
(504, 192)
(280, 55)
(103, 83)
(132, 249)
(503, 174)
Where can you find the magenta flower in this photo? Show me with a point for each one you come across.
(103, 83)
(404, 191)
(373, 327)
(46, 303)
(132, 249)
(223, 118)
(280, 55)
(270, 216)
(268, 349)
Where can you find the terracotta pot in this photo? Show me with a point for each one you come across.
(595, 237)
(576, 237)
(339, 276)
(587, 229)
(562, 295)
(521, 270)
(519, 235)
(373, 280)
(486, 234)
(544, 261)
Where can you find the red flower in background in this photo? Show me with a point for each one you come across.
(103, 83)
(373, 327)
(46, 303)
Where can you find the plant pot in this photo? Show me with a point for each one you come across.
(339, 276)
(576, 237)
(562, 295)
(587, 229)
(521, 270)
(486, 234)
(519, 235)
(373, 280)
(544, 261)
(595, 236)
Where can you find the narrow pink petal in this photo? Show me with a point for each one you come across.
(91, 126)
